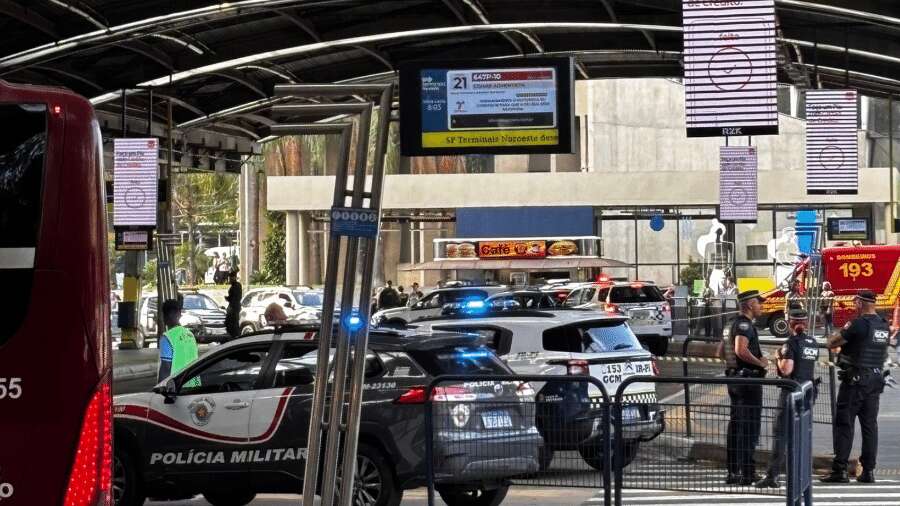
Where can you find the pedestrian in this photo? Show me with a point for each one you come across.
(708, 312)
(863, 344)
(388, 297)
(403, 296)
(415, 295)
(233, 312)
(826, 307)
(177, 346)
(796, 360)
(224, 269)
(744, 359)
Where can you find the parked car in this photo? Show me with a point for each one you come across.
(299, 305)
(200, 314)
(649, 315)
(242, 429)
(571, 342)
(522, 299)
(432, 304)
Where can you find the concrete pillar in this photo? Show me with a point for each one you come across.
(291, 248)
(303, 256)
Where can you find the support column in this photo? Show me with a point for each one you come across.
(303, 256)
(291, 248)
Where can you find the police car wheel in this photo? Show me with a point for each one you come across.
(126, 483)
(593, 455)
(373, 483)
(778, 326)
(458, 496)
(229, 497)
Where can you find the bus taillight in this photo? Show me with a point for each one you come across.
(90, 483)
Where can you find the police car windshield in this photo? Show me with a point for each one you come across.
(459, 360)
(635, 294)
(607, 338)
(199, 302)
(308, 298)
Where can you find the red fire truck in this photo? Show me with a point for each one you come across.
(849, 269)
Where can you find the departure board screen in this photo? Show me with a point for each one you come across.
(486, 106)
(738, 193)
(730, 68)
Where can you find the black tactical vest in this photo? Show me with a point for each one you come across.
(743, 326)
(872, 352)
(805, 352)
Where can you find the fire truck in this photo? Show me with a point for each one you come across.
(849, 269)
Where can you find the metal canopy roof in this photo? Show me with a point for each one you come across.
(219, 61)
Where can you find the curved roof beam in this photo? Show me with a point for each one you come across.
(178, 41)
(839, 11)
(257, 118)
(388, 36)
(378, 55)
(276, 72)
(841, 49)
(244, 80)
(462, 19)
(108, 33)
(300, 23)
(236, 128)
(29, 17)
(142, 48)
(79, 12)
(70, 75)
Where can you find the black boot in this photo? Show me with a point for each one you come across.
(732, 479)
(749, 479)
(866, 476)
(768, 482)
(836, 477)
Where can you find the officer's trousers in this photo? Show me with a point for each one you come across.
(857, 401)
(779, 445)
(743, 428)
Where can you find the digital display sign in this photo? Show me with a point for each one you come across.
(730, 68)
(849, 229)
(738, 193)
(509, 106)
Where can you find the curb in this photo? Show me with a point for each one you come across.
(689, 449)
(128, 372)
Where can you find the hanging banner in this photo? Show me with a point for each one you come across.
(832, 148)
(135, 175)
(730, 73)
(737, 184)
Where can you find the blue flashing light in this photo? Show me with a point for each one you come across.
(353, 323)
(474, 354)
(475, 304)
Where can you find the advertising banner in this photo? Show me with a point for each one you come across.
(832, 151)
(737, 184)
(730, 72)
(512, 249)
(135, 175)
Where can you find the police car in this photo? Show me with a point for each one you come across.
(573, 342)
(243, 429)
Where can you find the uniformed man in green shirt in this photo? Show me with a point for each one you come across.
(177, 347)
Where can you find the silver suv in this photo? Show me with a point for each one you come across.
(649, 315)
(300, 305)
(573, 342)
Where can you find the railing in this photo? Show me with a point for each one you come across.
(566, 431)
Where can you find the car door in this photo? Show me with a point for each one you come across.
(279, 418)
(574, 298)
(200, 436)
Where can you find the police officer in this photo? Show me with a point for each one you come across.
(796, 360)
(177, 347)
(744, 358)
(864, 344)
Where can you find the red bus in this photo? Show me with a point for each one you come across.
(55, 351)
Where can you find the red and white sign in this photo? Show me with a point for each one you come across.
(135, 175)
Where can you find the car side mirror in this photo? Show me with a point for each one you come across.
(169, 390)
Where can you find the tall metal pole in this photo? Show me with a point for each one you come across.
(131, 286)
(362, 339)
(893, 227)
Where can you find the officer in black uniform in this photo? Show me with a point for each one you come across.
(744, 359)
(863, 346)
(796, 360)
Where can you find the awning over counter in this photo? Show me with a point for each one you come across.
(523, 264)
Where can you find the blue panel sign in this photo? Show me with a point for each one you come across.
(807, 228)
(657, 223)
(349, 221)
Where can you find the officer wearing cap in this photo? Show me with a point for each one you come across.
(796, 360)
(864, 344)
(744, 358)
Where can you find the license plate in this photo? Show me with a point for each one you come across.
(640, 316)
(612, 375)
(496, 420)
(631, 413)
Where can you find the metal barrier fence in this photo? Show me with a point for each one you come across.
(566, 431)
(693, 366)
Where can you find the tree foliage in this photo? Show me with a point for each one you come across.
(273, 264)
(690, 273)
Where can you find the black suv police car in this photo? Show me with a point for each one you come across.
(241, 429)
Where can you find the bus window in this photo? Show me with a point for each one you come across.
(21, 174)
